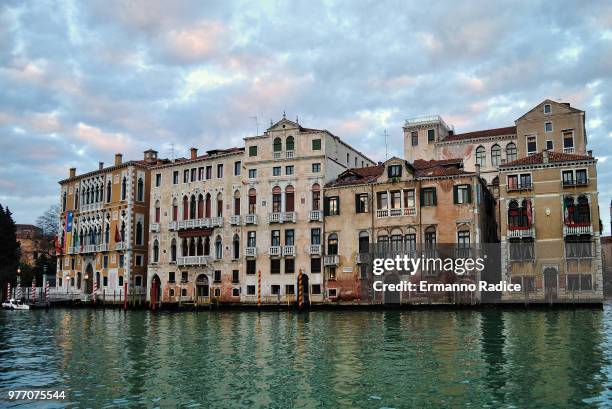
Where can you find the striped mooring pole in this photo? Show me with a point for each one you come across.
(47, 291)
(8, 291)
(300, 290)
(95, 290)
(34, 290)
(259, 288)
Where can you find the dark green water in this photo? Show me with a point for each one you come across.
(320, 359)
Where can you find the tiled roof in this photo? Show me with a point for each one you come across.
(441, 171)
(424, 164)
(606, 239)
(553, 157)
(509, 130)
(357, 176)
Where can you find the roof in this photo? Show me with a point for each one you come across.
(553, 157)
(606, 239)
(141, 163)
(508, 130)
(357, 176)
(424, 164)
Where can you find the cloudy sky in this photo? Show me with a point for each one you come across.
(80, 81)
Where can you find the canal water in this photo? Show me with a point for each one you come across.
(326, 359)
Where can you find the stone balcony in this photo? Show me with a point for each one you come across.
(235, 220)
(250, 252)
(315, 249)
(92, 207)
(193, 260)
(250, 219)
(274, 251)
(289, 251)
(331, 260)
(154, 227)
(396, 212)
(120, 246)
(577, 230)
(205, 223)
(103, 247)
(521, 233)
(315, 216)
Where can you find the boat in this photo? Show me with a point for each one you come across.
(14, 305)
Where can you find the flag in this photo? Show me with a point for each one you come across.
(118, 237)
(58, 246)
(565, 212)
(68, 222)
(529, 215)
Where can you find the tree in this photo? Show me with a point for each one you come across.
(49, 220)
(9, 248)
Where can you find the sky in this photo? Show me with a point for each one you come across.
(80, 81)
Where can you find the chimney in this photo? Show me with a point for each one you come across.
(118, 159)
(590, 153)
(72, 172)
(545, 156)
(100, 165)
(194, 153)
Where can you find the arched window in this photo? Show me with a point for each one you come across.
(511, 152)
(139, 233)
(184, 247)
(200, 247)
(277, 145)
(140, 191)
(316, 197)
(207, 205)
(122, 231)
(192, 246)
(192, 207)
(109, 190)
(276, 199)
(76, 199)
(252, 201)
(219, 205)
(155, 251)
(64, 199)
(430, 238)
(364, 242)
(123, 188)
(236, 246)
(173, 250)
(582, 213)
(218, 248)
(289, 143)
(157, 212)
(174, 210)
(289, 199)
(513, 214)
(481, 156)
(185, 208)
(332, 244)
(495, 155)
(200, 206)
(207, 246)
(237, 203)
(97, 190)
(107, 233)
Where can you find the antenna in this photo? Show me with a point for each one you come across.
(172, 151)
(256, 124)
(386, 148)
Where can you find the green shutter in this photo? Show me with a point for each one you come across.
(326, 206)
(421, 197)
(469, 190)
(356, 202)
(435, 198)
(455, 194)
(338, 204)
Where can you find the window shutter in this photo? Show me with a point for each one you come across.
(435, 198)
(338, 205)
(326, 206)
(356, 203)
(469, 192)
(455, 194)
(421, 197)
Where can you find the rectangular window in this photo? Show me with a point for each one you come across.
(315, 265)
(512, 182)
(105, 262)
(217, 276)
(171, 277)
(289, 289)
(409, 198)
(252, 173)
(276, 171)
(139, 260)
(581, 177)
(209, 172)
(275, 266)
(235, 276)
(394, 171)
(414, 135)
(289, 170)
(105, 281)
(568, 177)
(462, 194)
(120, 281)
(332, 206)
(381, 200)
(275, 238)
(251, 239)
(361, 203)
(431, 135)
(237, 168)
(194, 174)
(220, 171)
(315, 236)
(121, 261)
(251, 267)
(396, 199)
(201, 173)
(250, 290)
(175, 177)
(316, 289)
(138, 281)
(549, 145)
(531, 145)
(547, 109)
(184, 276)
(186, 176)
(316, 144)
(289, 237)
(275, 289)
(289, 265)
(568, 140)
(525, 182)
(548, 127)
(428, 196)
(316, 167)
(157, 179)
(253, 150)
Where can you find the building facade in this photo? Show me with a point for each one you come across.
(33, 243)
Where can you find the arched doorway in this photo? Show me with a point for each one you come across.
(155, 289)
(88, 281)
(391, 297)
(305, 289)
(550, 283)
(202, 289)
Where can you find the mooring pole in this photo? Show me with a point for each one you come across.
(300, 290)
(258, 288)
(125, 288)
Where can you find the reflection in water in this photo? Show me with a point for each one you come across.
(334, 359)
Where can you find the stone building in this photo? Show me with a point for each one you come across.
(33, 243)
(104, 228)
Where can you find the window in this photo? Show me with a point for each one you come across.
(481, 156)
(316, 289)
(581, 177)
(512, 182)
(251, 239)
(120, 281)
(277, 145)
(217, 276)
(276, 199)
(251, 267)
(521, 249)
(409, 198)
(568, 141)
(568, 177)
(495, 155)
(415, 138)
(289, 143)
(250, 290)
(175, 177)
(396, 199)
(171, 277)
(252, 201)
(578, 247)
(431, 135)
(237, 167)
(289, 265)
(315, 236)
(381, 200)
(462, 194)
(361, 203)
(316, 167)
(332, 244)
(289, 237)
(289, 289)
(140, 188)
(201, 173)
(548, 127)
(235, 292)
(184, 276)
(105, 262)
(275, 238)
(235, 276)
(194, 174)
(579, 282)
(525, 181)
(104, 281)
(316, 144)
(138, 281)
(253, 150)
(123, 188)
(531, 145)
(252, 173)
(316, 196)
(275, 289)
(394, 171)
(332, 206)
(155, 251)
(315, 265)
(332, 292)
(275, 266)
(236, 247)
(220, 171)
(547, 109)
(348, 159)
(218, 248)
(139, 233)
(108, 191)
(463, 239)
(428, 196)
(289, 170)
(186, 176)
(276, 171)
(208, 172)
(549, 145)
(511, 152)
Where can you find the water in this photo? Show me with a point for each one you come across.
(330, 359)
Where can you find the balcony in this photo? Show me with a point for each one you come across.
(154, 227)
(90, 207)
(216, 221)
(409, 211)
(205, 223)
(362, 258)
(250, 252)
(382, 213)
(277, 155)
(314, 249)
(577, 230)
(519, 233)
(193, 261)
(331, 260)
(519, 186)
(314, 215)
(274, 250)
(120, 246)
(72, 250)
(289, 251)
(396, 212)
(575, 182)
(289, 217)
(568, 150)
(235, 220)
(250, 219)
(89, 248)
(103, 247)
(173, 225)
(274, 217)
(289, 154)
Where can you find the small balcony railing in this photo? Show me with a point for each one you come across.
(277, 155)
(519, 186)
(235, 220)
(396, 212)
(250, 251)
(362, 258)
(193, 224)
(409, 211)
(289, 217)
(575, 182)
(173, 225)
(103, 247)
(517, 232)
(274, 217)
(314, 249)
(382, 213)
(314, 215)
(120, 246)
(154, 227)
(289, 251)
(89, 248)
(193, 260)
(331, 260)
(274, 250)
(250, 219)
(568, 150)
(577, 230)
(290, 154)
